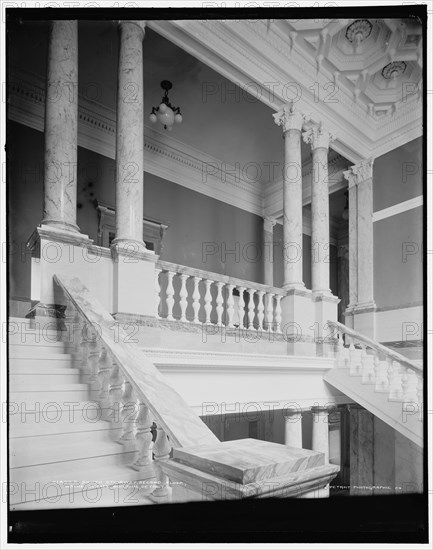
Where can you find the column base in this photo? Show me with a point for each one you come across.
(326, 309)
(133, 276)
(60, 225)
(297, 310)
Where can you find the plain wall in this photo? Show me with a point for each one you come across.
(398, 239)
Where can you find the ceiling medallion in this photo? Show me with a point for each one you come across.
(393, 70)
(358, 31)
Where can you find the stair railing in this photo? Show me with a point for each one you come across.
(388, 371)
(131, 392)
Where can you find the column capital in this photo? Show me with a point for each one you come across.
(360, 172)
(319, 137)
(269, 223)
(140, 25)
(289, 118)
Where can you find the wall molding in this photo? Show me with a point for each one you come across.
(164, 156)
(398, 208)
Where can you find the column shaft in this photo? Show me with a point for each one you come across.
(61, 125)
(353, 244)
(129, 136)
(320, 251)
(365, 242)
(320, 222)
(292, 122)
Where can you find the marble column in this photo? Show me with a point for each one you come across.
(61, 126)
(129, 137)
(293, 428)
(292, 121)
(361, 275)
(360, 177)
(268, 251)
(320, 139)
(320, 440)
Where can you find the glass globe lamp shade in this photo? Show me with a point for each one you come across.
(166, 117)
(162, 108)
(153, 118)
(178, 118)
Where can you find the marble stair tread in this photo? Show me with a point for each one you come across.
(248, 460)
(101, 497)
(60, 447)
(72, 469)
(68, 423)
(124, 485)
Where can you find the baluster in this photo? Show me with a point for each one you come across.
(161, 451)
(170, 295)
(183, 297)
(341, 355)
(367, 367)
(85, 349)
(241, 306)
(196, 299)
(219, 302)
(269, 311)
(157, 292)
(208, 300)
(129, 412)
(93, 363)
(105, 366)
(72, 334)
(381, 371)
(409, 382)
(394, 379)
(115, 395)
(143, 437)
(251, 292)
(260, 310)
(278, 313)
(230, 312)
(354, 360)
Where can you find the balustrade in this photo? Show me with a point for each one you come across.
(388, 371)
(196, 296)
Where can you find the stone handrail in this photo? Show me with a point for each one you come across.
(223, 301)
(130, 372)
(395, 356)
(400, 379)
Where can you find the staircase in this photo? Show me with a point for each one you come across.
(384, 382)
(64, 450)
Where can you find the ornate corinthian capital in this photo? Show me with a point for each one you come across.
(360, 172)
(319, 137)
(289, 118)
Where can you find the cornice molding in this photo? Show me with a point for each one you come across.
(164, 156)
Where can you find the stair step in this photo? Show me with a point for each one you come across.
(54, 359)
(32, 349)
(65, 424)
(57, 412)
(72, 469)
(51, 377)
(48, 449)
(32, 395)
(114, 486)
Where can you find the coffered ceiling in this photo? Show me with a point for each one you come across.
(378, 61)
